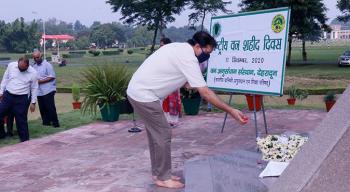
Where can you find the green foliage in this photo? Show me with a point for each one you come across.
(330, 96)
(94, 52)
(295, 93)
(130, 51)
(76, 92)
(105, 35)
(18, 36)
(307, 17)
(104, 84)
(344, 7)
(110, 52)
(155, 14)
(189, 93)
(204, 7)
(141, 37)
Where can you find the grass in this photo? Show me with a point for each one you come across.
(319, 54)
(68, 121)
(36, 129)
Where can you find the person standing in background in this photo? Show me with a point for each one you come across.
(19, 81)
(47, 90)
(172, 103)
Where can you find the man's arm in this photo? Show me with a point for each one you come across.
(50, 74)
(47, 79)
(33, 93)
(212, 98)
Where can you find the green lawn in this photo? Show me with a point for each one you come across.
(317, 55)
(68, 121)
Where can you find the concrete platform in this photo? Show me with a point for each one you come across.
(103, 157)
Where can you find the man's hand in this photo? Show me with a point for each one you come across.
(239, 116)
(32, 107)
(1, 96)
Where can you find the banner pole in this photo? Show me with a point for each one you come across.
(263, 109)
(255, 120)
(223, 125)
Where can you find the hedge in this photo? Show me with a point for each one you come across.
(72, 55)
(324, 91)
(94, 53)
(77, 52)
(5, 58)
(110, 52)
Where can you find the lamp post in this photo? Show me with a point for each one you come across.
(44, 34)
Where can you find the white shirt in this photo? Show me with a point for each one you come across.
(165, 71)
(20, 83)
(45, 70)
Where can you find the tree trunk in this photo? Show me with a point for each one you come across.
(202, 24)
(289, 50)
(161, 27)
(304, 51)
(154, 37)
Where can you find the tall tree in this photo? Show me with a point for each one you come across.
(344, 7)
(203, 7)
(307, 17)
(20, 37)
(155, 14)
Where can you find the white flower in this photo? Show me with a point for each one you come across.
(280, 148)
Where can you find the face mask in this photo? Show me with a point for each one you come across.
(203, 56)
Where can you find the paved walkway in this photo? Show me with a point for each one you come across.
(104, 157)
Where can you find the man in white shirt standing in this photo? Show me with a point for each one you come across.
(46, 91)
(165, 71)
(19, 81)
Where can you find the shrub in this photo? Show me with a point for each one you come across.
(94, 52)
(130, 51)
(104, 85)
(330, 96)
(76, 92)
(295, 93)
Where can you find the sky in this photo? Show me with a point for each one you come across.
(88, 11)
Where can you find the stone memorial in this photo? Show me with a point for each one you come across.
(323, 163)
(225, 173)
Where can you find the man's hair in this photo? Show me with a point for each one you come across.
(165, 40)
(203, 39)
(23, 59)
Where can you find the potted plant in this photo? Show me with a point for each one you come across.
(76, 96)
(250, 102)
(329, 99)
(295, 93)
(105, 90)
(191, 100)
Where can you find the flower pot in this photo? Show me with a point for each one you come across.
(76, 105)
(258, 99)
(291, 101)
(191, 106)
(110, 112)
(329, 105)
